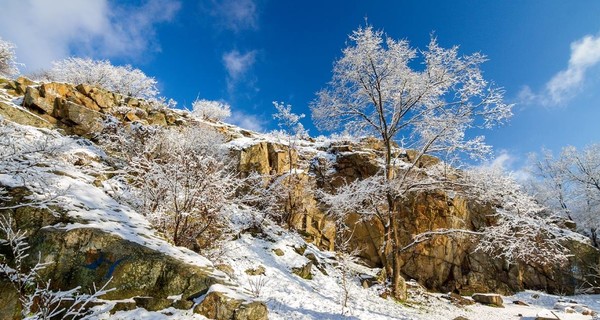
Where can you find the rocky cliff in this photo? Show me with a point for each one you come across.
(80, 236)
(90, 255)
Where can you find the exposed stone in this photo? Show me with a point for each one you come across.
(279, 158)
(311, 256)
(350, 166)
(254, 158)
(9, 297)
(23, 116)
(227, 269)
(84, 121)
(20, 85)
(488, 299)
(425, 160)
(520, 303)
(300, 249)
(151, 303)
(157, 118)
(304, 272)
(458, 300)
(278, 252)
(219, 306)
(84, 257)
(258, 271)
(367, 281)
(33, 100)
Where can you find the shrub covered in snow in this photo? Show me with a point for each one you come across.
(121, 79)
(8, 64)
(213, 110)
(181, 182)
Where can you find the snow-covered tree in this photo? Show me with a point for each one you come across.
(182, 182)
(570, 185)
(121, 79)
(23, 154)
(375, 89)
(515, 233)
(212, 110)
(518, 232)
(8, 60)
(291, 186)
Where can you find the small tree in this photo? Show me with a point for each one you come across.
(211, 110)
(182, 182)
(374, 89)
(121, 79)
(570, 184)
(291, 183)
(8, 64)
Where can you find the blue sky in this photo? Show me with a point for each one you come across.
(248, 53)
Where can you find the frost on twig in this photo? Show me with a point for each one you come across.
(37, 300)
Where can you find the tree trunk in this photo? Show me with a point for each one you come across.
(398, 283)
(394, 264)
(389, 170)
(594, 237)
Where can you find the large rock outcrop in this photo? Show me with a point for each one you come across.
(446, 262)
(79, 109)
(90, 256)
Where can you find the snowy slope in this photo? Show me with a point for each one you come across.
(290, 297)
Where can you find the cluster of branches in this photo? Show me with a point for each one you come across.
(211, 110)
(8, 60)
(24, 157)
(570, 185)
(125, 80)
(36, 298)
(179, 178)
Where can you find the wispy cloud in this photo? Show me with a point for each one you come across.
(585, 53)
(510, 163)
(247, 121)
(49, 30)
(566, 84)
(236, 15)
(237, 66)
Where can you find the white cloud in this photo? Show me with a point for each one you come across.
(504, 160)
(585, 53)
(247, 121)
(50, 30)
(566, 84)
(526, 96)
(237, 66)
(236, 15)
(509, 163)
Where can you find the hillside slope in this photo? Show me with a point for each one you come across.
(59, 187)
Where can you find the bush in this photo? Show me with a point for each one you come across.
(121, 79)
(8, 64)
(212, 110)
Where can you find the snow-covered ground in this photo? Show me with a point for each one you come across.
(290, 297)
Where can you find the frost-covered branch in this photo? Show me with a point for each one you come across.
(37, 300)
(212, 110)
(121, 79)
(8, 64)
